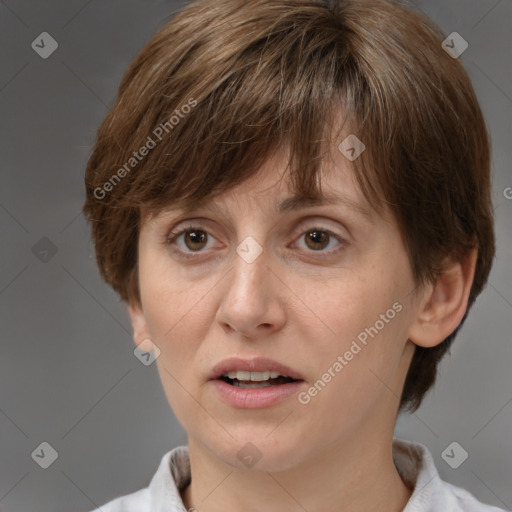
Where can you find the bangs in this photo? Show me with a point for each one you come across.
(261, 92)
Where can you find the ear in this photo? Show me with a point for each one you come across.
(141, 335)
(444, 302)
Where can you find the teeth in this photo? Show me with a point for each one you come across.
(253, 376)
(251, 385)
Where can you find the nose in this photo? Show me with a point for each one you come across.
(252, 303)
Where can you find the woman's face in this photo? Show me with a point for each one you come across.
(322, 293)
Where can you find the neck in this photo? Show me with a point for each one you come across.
(357, 477)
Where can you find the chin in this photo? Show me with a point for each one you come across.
(258, 453)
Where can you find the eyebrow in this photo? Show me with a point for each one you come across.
(294, 203)
(289, 204)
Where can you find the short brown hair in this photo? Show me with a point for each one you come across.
(263, 75)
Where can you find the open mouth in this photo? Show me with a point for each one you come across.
(243, 379)
(257, 383)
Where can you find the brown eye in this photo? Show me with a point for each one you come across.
(190, 239)
(321, 241)
(317, 240)
(195, 240)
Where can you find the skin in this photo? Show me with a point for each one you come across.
(301, 302)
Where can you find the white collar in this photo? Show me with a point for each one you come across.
(412, 460)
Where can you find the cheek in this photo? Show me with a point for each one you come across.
(169, 298)
(177, 319)
(367, 325)
(179, 313)
(352, 303)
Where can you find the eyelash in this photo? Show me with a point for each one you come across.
(173, 236)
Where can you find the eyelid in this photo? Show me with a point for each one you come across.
(174, 233)
(301, 230)
(341, 240)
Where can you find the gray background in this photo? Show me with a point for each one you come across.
(68, 375)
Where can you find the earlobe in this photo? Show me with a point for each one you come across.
(141, 334)
(444, 302)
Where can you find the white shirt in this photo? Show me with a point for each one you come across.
(412, 460)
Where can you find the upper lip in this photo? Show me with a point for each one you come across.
(256, 364)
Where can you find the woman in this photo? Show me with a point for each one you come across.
(293, 199)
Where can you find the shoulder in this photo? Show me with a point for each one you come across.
(465, 502)
(139, 501)
(162, 493)
(430, 493)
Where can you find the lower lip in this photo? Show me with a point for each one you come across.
(255, 398)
